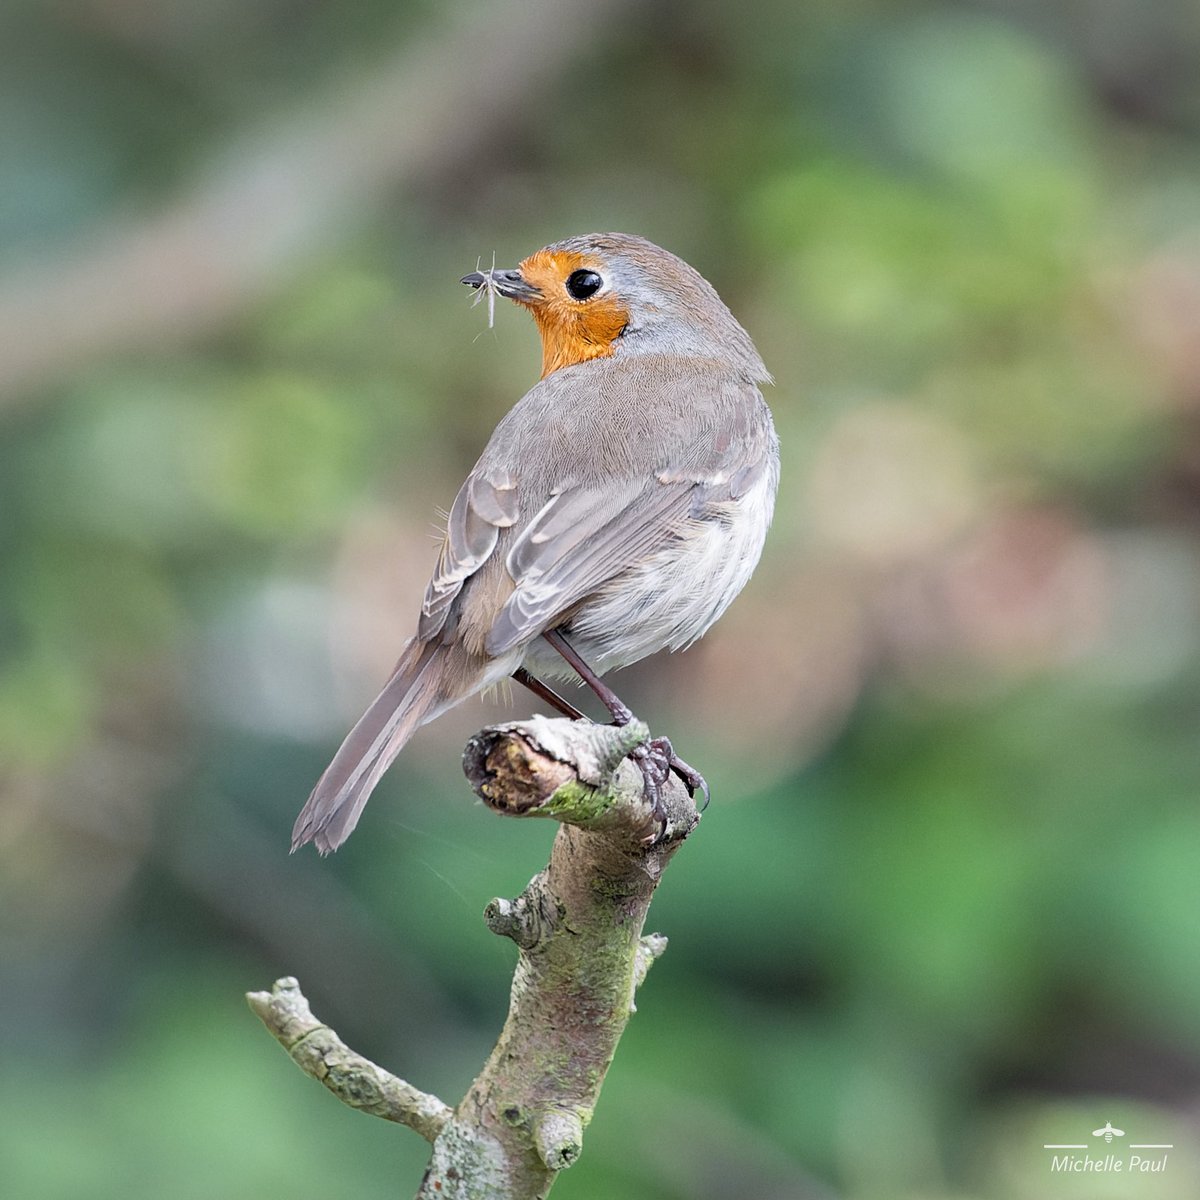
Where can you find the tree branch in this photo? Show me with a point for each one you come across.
(581, 957)
(354, 1080)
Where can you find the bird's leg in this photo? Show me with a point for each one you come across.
(657, 758)
(551, 697)
(622, 714)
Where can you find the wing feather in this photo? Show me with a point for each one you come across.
(485, 504)
(593, 545)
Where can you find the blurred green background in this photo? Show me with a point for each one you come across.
(944, 908)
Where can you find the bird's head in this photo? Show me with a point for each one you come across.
(605, 294)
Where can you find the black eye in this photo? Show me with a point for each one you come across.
(582, 284)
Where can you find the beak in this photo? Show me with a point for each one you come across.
(510, 284)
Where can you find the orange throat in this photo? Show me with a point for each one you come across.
(572, 331)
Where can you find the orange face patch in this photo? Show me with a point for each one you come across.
(572, 331)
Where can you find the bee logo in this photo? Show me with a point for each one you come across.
(1108, 1132)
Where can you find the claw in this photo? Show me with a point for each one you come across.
(657, 760)
(692, 780)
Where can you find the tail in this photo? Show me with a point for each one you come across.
(415, 693)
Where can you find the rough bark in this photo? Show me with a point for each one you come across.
(581, 957)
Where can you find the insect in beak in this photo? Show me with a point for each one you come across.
(487, 286)
(492, 283)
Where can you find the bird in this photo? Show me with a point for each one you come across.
(616, 511)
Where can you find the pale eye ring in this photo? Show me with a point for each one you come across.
(582, 284)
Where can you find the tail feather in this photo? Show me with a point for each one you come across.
(413, 695)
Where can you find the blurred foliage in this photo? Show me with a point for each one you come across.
(942, 909)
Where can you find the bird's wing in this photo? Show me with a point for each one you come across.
(583, 537)
(579, 539)
(584, 533)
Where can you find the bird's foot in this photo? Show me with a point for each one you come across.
(657, 760)
(692, 779)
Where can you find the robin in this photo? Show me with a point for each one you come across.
(617, 509)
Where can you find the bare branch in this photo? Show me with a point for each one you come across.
(565, 770)
(354, 1080)
(578, 926)
(581, 957)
